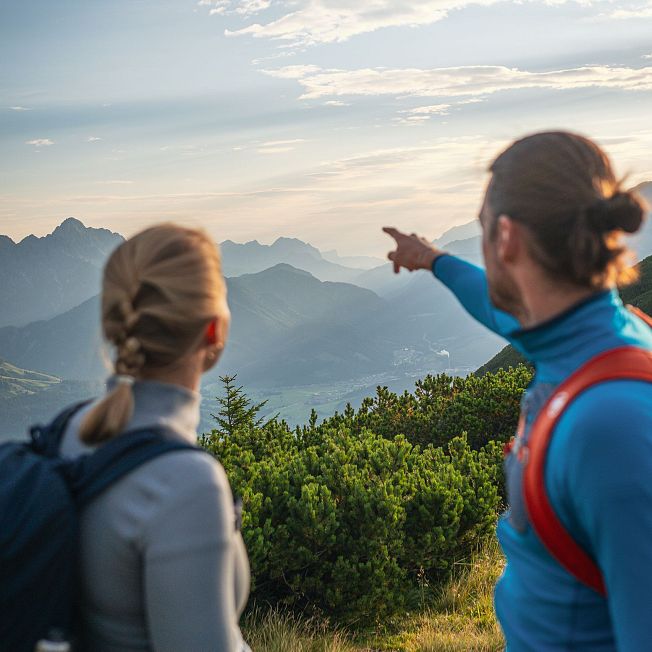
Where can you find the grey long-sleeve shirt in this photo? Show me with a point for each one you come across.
(162, 566)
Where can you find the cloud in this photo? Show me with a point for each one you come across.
(93, 139)
(304, 23)
(421, 114)
(432, 109)
(463, 81)
(279, 146)
(117, 182)
(647, 56)
(293, 72)
(40, 142)
(216, 6)
(341, 202)
(248, 7)
(18, 108)
(627, 13)
(275, 143)
(336, 103)
(240, 7)
(439, 109)
(309, 22)
(274, 150)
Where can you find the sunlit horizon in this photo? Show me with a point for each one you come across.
(312, 120)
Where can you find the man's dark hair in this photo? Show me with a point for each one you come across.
(562, 187)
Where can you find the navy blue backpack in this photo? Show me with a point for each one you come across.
(41, 496)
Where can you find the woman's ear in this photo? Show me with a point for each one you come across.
(211, 332)
(217, 331)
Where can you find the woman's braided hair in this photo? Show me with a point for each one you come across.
(562, 187)
(160, 291)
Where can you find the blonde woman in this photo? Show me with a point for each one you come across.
(162, 565)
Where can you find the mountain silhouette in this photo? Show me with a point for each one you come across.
(252, 257)
(265, 307)
(43, 277)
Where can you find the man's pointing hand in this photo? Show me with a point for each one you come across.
(412, 251)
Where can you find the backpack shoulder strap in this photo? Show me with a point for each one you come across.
(623, 363)
(640, 314)
(91, 474)
(46, 439)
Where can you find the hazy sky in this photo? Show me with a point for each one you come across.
(319, 119)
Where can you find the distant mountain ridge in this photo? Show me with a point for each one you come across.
(265, 308)
(291, 328)
(357, 262)
(288, 327)
(252, 257)
(46, 276)
(43, 277)
(457, 233)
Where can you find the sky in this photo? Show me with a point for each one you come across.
(317, 119)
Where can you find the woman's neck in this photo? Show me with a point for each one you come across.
(186, 373)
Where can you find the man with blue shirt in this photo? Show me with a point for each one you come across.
(552, 220)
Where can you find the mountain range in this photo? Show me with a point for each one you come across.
(252, 257)
(288, 328)
(43, 277)
(309, 329)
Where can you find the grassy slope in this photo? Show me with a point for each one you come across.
(22, 408)
(459, 619)
(639, 295)
(15, 381)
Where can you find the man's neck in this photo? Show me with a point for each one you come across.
(541, 302)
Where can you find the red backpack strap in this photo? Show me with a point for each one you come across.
(640, 314)
(624, 363)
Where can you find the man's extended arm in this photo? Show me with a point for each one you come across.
(466, 281)
(469, 285)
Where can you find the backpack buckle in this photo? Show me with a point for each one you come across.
(38, 441)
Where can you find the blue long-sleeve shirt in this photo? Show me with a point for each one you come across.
(598, 477)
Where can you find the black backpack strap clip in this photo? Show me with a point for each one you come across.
(45, 440)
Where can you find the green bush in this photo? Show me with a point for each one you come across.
(349, 519)
(442, 407)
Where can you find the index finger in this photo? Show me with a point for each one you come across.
(391, 231)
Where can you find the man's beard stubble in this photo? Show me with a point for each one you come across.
(505, 294)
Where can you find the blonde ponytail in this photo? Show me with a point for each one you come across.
(109, 417)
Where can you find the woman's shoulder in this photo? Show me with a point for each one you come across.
(187, 470)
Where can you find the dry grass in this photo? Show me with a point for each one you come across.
(276, 631)
(461, 620)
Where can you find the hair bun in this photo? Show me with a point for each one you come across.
(623, 210)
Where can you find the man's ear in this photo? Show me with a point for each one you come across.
(508, 238)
